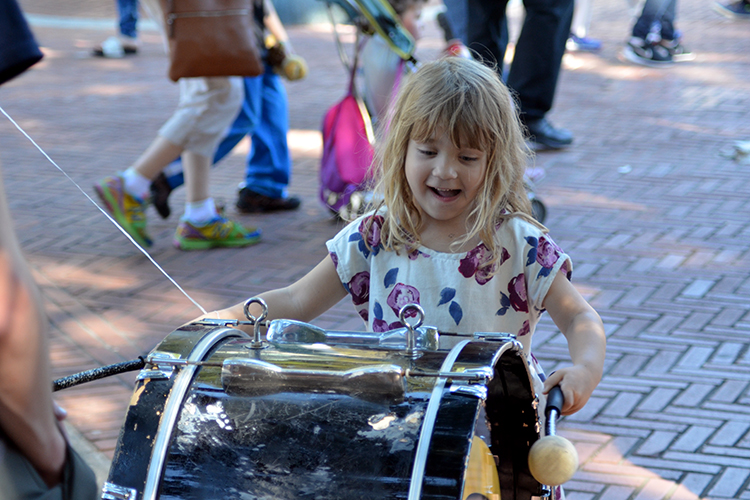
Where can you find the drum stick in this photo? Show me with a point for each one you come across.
(553, 459)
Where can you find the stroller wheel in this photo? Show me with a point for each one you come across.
(538, 209)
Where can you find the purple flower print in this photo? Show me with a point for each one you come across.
(364, 314)
(372, 237)
(517, 293)
(547, 253)
(359, 288)
(379, 326)
(402, 295)
(335, 259)
(473, 264)
(525, 329)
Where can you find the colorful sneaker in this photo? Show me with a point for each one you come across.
(679, 52)
(735, 10)
(647, 53)
(582, 44)
(220, 232)
(127, 210)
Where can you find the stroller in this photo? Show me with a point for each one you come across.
(347, 126)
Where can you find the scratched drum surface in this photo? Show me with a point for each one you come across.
(291, 445)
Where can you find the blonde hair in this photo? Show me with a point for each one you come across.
(468, 101)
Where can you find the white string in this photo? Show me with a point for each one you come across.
(118, 226)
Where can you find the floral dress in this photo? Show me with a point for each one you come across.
(456, 293)
(458, 296)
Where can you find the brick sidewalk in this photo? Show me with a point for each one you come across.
(655, 218)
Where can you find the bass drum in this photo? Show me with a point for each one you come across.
(311, 414)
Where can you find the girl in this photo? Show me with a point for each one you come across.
(453, 232)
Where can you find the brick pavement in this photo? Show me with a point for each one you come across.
(655, 217)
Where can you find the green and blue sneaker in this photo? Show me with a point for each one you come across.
(220, 232)
(127, 210)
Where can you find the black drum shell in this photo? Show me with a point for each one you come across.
(322, 445)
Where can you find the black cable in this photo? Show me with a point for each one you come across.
(97, 373)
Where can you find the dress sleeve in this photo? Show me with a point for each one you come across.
(353, 247)
(543, 260)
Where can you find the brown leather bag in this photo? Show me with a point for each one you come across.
(211, 38)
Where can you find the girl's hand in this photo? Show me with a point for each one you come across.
(577, 385)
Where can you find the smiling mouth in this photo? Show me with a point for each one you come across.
(445, 193)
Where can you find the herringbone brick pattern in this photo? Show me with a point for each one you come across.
(653, 212)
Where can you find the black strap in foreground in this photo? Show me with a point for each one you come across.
(98, 373)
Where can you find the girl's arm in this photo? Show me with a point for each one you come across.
(304, 300)
(584, 332)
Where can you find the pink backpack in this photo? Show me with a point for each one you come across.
(347, 150)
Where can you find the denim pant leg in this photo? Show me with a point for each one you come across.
(128, 11)
(539, 51)
(269, 164)
(656, 11)
(244, 124)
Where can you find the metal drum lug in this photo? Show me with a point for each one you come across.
(112, 491)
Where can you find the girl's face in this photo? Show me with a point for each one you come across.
(411, 21)
(445, 181)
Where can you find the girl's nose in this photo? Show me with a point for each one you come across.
(444, 168)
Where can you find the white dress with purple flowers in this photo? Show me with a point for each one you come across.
(455, 293)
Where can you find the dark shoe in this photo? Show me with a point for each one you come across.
(251, 202)
(677, 51)
(544, 136)
(160, 190)
(647, 53)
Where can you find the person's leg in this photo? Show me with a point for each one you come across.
(536, 68)
(539, 51)
(269, 163)
(127, 42)
(201, 227)
(487, 39)
(579, 29)
(244, 124)
(581, 18)
(666, 19)
(650, 14)
(128, 11)
(644, 48)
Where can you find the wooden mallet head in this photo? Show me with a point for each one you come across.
(553, 459)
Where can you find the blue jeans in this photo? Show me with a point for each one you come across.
(659, 15)
(265, 117)
(128, 11)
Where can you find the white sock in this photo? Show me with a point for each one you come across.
(136, 185)
(200, 213)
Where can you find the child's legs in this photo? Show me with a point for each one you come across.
(207, 107)
(158, 154)
(244, 124)
(197, 174)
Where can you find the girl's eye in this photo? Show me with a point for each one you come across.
(469, 158)
(426, 152)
